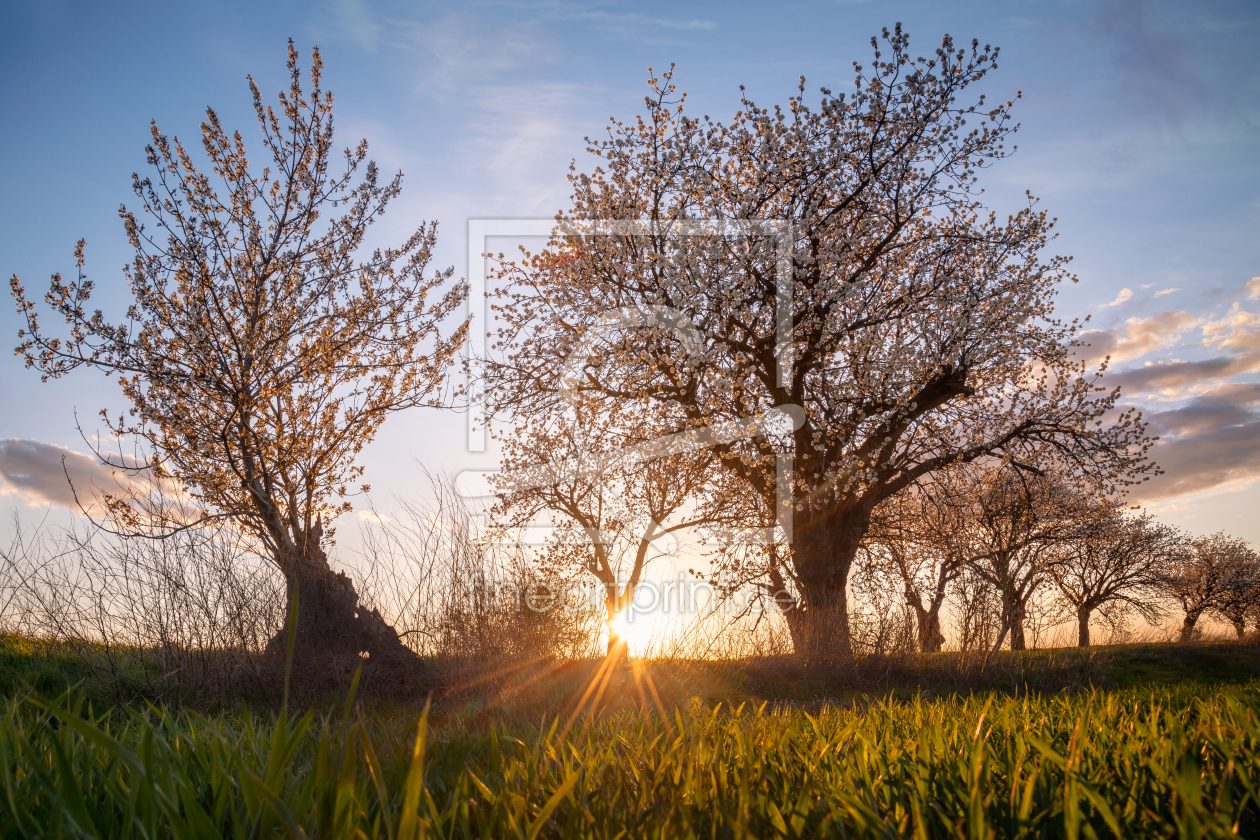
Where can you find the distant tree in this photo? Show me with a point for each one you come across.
(977, 611)
(1017, 532)
(916, 533)
(1206, 578)
(1239, 596)
(263, 348)
(913, 327)
(1116, 559)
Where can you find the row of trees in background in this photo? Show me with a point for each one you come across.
(800, 335)
(1026, 535)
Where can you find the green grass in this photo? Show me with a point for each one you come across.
(535, 689)
(1148, 762)
(28, 665)
(1134, 741)
(1045, 671)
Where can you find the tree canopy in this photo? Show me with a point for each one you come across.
(913, 326)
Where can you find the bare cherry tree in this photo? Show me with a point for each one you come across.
(1116, 559)
(615, 504)
(264, 347)
(977, 613)
(1239, 595)
(1018, 531)
(837, 259)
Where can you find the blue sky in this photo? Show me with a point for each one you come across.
(1140, 126)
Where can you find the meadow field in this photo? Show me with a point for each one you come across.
(1169, 745)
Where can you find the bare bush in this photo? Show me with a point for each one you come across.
(189, 617)
(469, 604)
(181, 618)
(881, 620)
(978, 612)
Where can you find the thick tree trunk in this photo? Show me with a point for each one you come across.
(335, 633)
(823, 553)
(1187, 626)
(1013, 617)
(1082, 626)
(1240, 628)
(1018, 640)
(820, 630)
(1014, 610)
(930, 638)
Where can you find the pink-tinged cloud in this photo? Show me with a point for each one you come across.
(1125, 295)
(42, 473)
(1238, 329)
(1138, 337)
(1212, 441)
(1176, 376)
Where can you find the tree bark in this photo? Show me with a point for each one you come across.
(1018, 640)
(930, 637)
(823, 553)
(1013, 617)
(820, 631)
(927, 621)
(1187, 626)
(1082, 620)
(335, 633)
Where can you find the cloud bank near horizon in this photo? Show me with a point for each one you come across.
(1207, 420)
(41, 473)
(1211, 442)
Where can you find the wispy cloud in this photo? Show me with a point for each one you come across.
(353, 20)
(1125, 295)
(372, 517)
(620, 21)
(1163, 292)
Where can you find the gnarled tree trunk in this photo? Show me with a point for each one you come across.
(1187, 626)
(931, 639)
(927, 622)
(1013, 617)
(335, 632)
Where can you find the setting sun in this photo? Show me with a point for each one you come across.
(639, 630)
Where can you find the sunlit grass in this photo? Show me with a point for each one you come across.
(1148, 762)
